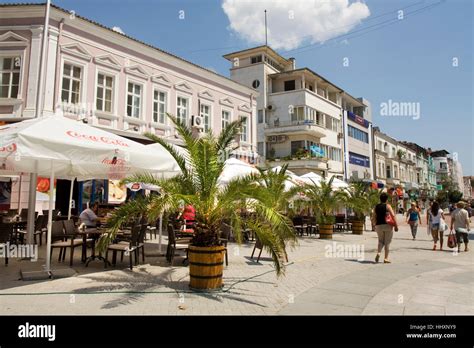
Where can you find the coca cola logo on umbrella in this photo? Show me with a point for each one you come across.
(97, 139)
(8, 148)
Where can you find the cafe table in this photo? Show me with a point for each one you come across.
(95, 234)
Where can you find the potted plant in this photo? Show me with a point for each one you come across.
(197, 186)
(271, 153)
(324, 201)
(361, 199)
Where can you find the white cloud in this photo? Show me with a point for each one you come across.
(293, 22)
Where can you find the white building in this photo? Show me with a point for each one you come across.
(300, 113)
(358, 139)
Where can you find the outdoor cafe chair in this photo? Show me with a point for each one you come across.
(131, 247)
(6, 235)
(226, 232)
(298, 225)
(63, 241)
(39, 229)
(175, 244)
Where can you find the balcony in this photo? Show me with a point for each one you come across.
(303, 165)
(296, 127)
(393, 181)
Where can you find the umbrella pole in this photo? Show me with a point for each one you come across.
(50, 220)
(19, 194)
(70, 200)
(160, 230)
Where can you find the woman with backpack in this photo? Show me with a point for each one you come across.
(435, 218)
(382, 212)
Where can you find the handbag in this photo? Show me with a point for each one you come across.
(452, 242)
(389, 220)
(442, 225)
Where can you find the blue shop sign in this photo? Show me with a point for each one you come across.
(357, 119)
(359, 160)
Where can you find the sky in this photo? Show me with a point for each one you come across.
(421, 56)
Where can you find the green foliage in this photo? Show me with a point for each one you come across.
(455, 196)
(197, 185)
(361, 198)
(324, 200)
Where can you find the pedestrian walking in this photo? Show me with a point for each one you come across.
(413, 219)
(460, 224)
(384, 230)
(435, 218)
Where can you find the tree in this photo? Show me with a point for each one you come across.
(197, 185)
(323, 200)
(361, 198)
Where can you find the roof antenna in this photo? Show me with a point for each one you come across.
(266, 41)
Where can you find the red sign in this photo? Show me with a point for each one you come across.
(96, 139)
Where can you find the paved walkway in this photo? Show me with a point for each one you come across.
(317, 281)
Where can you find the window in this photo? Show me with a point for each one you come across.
(9, 77)
(255, 84)
(159, 106)
(359, 134)
(134, 100)
(296, 145)
(388, 172)
(256, 59)
(225, 118)
(105, 85)
(72, 76)
(260, 148)
(395, 172)
(298, 114)
(205, 112)
(332, 123)
(182, 109)
(244, 135)
(290, 85)
(260, 116)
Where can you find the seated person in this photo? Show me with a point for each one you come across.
(89, 217)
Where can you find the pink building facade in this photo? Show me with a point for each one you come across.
(100, 76)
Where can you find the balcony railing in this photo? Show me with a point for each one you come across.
(277, 123)
(301, 126)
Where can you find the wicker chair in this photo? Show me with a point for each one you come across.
(131, 247)
(6, 234)
(63, 241)
(175, 244)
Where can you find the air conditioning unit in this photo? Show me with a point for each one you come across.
(281, 138)
(272, 139)
(197, 122)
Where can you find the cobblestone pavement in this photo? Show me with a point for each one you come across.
(316, 281)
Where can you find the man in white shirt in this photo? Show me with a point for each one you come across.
(460, 223)
(89, 217)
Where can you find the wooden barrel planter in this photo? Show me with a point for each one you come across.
(206, 265)
(357, 227)
(325, 231)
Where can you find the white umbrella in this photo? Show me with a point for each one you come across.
(312, 178)
(136, 186)
(233, 169)
(63, 148)
(338, 183)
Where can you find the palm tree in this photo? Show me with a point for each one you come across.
(323, 200)
(197, 186)
(361, 199)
